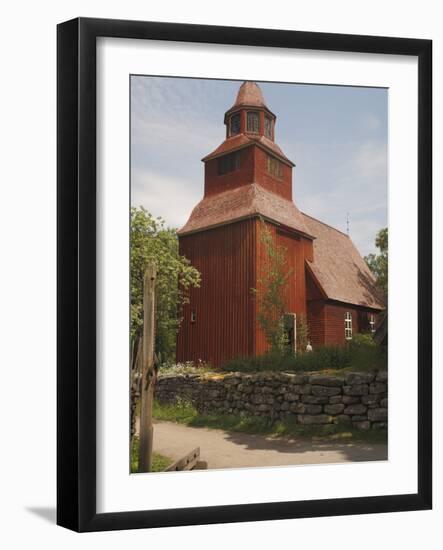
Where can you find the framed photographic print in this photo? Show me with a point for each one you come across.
(238, 211)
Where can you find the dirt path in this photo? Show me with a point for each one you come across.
(222, 449)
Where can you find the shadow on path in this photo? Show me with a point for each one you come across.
(229, 449)
(353, 451)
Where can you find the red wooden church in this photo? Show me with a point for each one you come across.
(248, 179)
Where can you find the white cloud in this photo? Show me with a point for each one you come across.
(177, 122)
(357, 186)
(370, 161)
(179, 135)
(170, 198)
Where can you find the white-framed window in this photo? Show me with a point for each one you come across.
(372, 323)
(193, 316)
(348, 325)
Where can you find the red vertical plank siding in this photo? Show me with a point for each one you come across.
(244, 175)
(316, 322)
(335, 323)
(224, 303)
(280, 186)
(231, 260)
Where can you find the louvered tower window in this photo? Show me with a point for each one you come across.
(253, 122)
(235, 125)
(268, 127)
(228, 163)
(274, 167)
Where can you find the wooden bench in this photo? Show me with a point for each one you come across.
(191, 461)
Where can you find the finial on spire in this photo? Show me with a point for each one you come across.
(250, 94)
(347, 223)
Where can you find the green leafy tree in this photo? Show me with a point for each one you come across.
(151, 241)
(378, 263)
(302, 333)
(271, 291)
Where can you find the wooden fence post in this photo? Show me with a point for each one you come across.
(148, 370)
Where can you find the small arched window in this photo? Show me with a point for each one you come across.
(253, 122)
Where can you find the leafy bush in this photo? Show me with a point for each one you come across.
(362, 339)
(153, 242)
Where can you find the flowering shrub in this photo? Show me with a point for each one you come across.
(188, 367)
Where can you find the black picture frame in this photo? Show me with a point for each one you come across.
(76, 266)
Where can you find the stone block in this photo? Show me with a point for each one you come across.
(313, 409)
(297, 407)
(356, 378)
(291, 397)
(334, 399)
(324, 391)
(358, 408)
(343, 419)
(371, 399)
(314, 399)
(378, 415)
(322, 380)
(350, 399)
(362, 425)
(231, 381)
(356, 389)
(382, 376)
(297, 378)
(338, 408)
(307, 419)
(377, 387)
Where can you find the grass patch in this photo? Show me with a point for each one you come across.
(159, 462)
(361, 354)
(184, 413)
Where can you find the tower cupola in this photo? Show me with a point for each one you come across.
(250, 114)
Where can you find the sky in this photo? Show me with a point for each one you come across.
(336, 136)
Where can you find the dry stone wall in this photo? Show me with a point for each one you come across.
(357, 399)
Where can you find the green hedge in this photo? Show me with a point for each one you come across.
(361, 354)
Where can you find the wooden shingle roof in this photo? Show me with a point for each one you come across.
(244, 202)
(249, 94)
(339, 268)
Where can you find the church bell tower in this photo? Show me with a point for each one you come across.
(248, 181)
